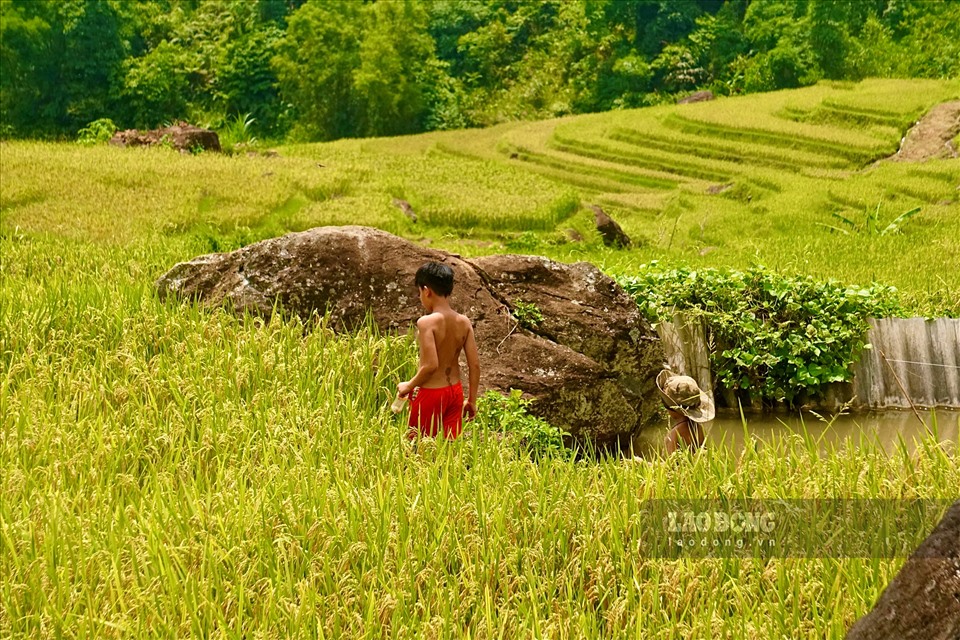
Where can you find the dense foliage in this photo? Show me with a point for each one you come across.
(338, 68)
(507, 417)
(775, 337)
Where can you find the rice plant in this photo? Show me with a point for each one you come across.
(175, 470)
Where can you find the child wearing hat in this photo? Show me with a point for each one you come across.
(688, 406)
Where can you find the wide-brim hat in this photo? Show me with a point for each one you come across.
(681, 393)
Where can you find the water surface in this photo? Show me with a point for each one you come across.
(885, 428)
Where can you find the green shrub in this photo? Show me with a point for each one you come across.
(236, 131)
(871, 224)
(527, 241)
(97, 132)
(508, 416)
(773, 336)
(527, 314)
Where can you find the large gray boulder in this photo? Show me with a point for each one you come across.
(586, 311)
(923, 600)
(589, 365)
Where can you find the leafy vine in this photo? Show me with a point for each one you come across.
(775, 336)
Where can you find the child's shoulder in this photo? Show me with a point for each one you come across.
(429, 319)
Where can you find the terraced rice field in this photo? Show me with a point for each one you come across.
(762, 178)
(732, 182)
(810, 133)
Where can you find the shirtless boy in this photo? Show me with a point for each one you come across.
(435, 392)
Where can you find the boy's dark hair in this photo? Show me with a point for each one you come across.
(439, 277)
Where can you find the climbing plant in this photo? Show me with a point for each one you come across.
(774, 336)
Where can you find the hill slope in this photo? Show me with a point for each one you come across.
(759, 178)
(733, 182)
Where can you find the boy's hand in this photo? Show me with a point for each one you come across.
(470, 409)
(404, 389)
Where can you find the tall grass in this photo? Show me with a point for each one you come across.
(171, 471)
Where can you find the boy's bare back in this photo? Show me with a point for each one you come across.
(445, 333)
(442, 335)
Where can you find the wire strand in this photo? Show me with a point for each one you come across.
(929, 364)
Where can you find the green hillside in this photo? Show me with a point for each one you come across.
(741, 180)
(732, 182)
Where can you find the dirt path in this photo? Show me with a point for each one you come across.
(932, 136)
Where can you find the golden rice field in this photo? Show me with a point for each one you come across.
(173, 471)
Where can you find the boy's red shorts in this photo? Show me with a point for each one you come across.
(429, 408)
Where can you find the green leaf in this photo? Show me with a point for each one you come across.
(903, 217)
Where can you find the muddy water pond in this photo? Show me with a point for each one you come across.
(885, 428)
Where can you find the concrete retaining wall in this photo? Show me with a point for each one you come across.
(685, 347)
(912, 360)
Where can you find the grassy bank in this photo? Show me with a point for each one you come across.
(173, 471)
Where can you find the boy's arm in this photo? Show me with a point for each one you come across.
(473, 365)
(429, 360)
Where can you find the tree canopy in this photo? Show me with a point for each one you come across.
(325, 69)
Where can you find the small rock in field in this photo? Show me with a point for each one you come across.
(610, 231)
(406, 208)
